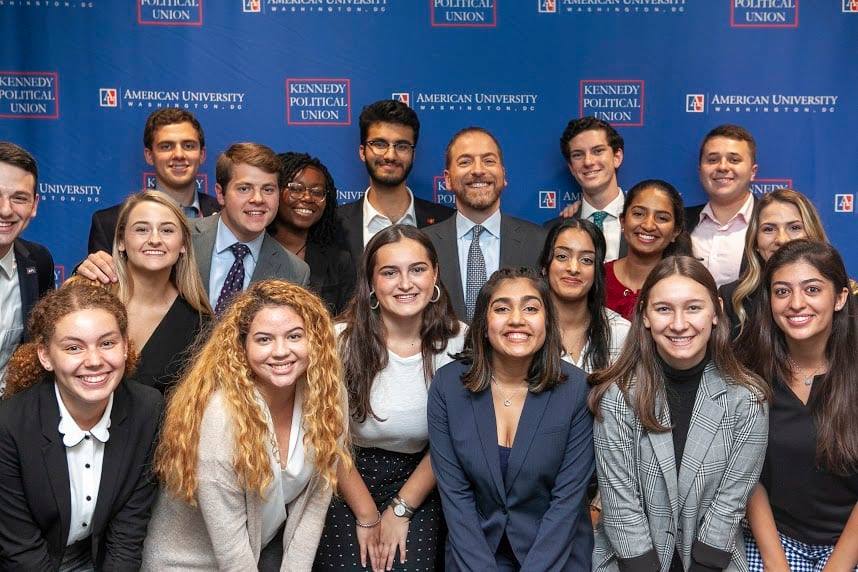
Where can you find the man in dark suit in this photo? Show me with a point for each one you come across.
(593, 151)
(479, 239)
(26, 268)
(388, 132)
(174, 144)
(727, 164)
(231, 247)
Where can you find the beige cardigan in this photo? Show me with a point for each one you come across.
(224, 530)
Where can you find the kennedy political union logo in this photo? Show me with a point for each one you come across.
(29, 95)
(620, 102)
(151, 183)
(318, 101)
(844, 203)
(170, 12)
(441, 194)
(463, 13)
(761, 187)
(763, 13)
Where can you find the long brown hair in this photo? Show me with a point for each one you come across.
(835, 397)
(638, 368)
(221, 364)
(545, 370)
(24, 368)
(363, 341)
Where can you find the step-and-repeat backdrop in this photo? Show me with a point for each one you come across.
(79, 77)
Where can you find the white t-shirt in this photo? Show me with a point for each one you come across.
(398, 397)
(619, 328)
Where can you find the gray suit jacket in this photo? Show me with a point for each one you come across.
(648, 509)
(274, 260)
(521, 243)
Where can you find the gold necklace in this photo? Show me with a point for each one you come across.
(507, 401)
(797, 371)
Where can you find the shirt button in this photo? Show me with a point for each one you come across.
(86, 437)
(84, 525)
(87, 465)
(88, 497)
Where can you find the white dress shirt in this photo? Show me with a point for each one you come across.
(288, 482)
(222, 259)
(619, 328)
(374, 221)
(490, 240)
(11, 318)
(720, 246)
(84, 455)
(611, 227)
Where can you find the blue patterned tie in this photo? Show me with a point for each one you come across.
(598, 218)
(476, 272)
(234, 282)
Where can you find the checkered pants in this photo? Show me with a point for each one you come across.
(801, 557)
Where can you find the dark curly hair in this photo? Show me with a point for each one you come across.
(326, 230)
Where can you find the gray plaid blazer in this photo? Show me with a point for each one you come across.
(646, 505)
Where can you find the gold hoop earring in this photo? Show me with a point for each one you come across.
(371, 294)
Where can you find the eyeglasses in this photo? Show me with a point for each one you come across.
(298, 190)
(380, 146)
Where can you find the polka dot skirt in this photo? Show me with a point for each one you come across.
(384, 473)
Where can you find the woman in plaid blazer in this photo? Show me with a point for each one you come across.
(680, 433)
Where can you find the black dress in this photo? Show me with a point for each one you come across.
(166, 351)
(332, 274)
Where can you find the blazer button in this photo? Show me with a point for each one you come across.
(503, 510)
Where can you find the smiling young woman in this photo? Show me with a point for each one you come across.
(680, 432)
(803, 512)
(512, 401)
(77, 439)
(653, 223)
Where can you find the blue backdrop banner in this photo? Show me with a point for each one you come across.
(79, 77)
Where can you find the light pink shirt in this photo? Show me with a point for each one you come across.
(720, 246)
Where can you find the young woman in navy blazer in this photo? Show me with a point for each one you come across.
(76, 440)
(511, 437)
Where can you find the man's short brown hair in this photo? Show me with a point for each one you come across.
(170, 116)
(17, 156)
(734, 132)
(254, 154)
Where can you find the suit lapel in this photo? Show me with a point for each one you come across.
(115, 451)
(531, 416)
(28, 278)
(54, 455)
(203, 238)
(484, 417)
(271, 256)
(451, 274)
(662, 446)
(705, 420)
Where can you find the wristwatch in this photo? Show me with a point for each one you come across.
(401, 508)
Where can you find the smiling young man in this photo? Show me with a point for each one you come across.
(727, 165)
(389, 131)
(232, 247)
(175, 146)
(593, 151)
(26, 268)
(479, 239)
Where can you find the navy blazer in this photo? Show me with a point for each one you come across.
(35, 275)
(34, 480)
(542, 505)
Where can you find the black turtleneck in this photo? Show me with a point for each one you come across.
(681, 388)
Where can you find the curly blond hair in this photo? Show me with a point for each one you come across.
(221, 364)
(24, 368)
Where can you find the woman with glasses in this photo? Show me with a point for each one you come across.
(307, 226)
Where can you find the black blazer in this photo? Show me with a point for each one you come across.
(521, 244)
(332, 274)
(351, 218)
(540, 505)
(35, 275)
(36, 507)
(104, 223)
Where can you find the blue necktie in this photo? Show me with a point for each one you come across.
(476, 276)
(234, 282)
(598, 218)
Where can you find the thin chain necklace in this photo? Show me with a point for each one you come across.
(798, 371)
(507, 400)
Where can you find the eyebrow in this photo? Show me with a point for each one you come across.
(567, 249)
(802, 283)
(669, 303)
(526, 298)
(79, 340)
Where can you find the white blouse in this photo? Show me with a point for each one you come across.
(398, 398)
(619, 328)
(288, 482)
(84, 455)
